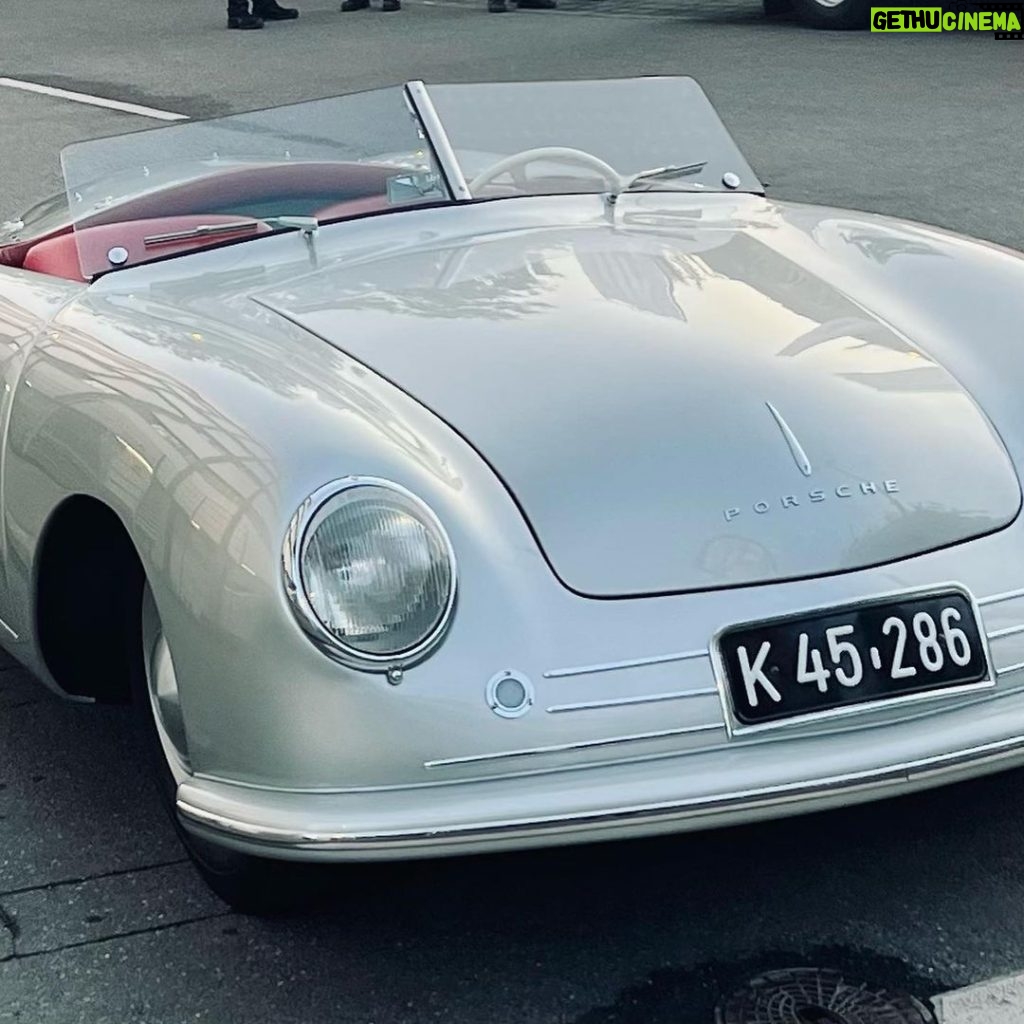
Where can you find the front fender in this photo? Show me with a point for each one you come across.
(204, 437)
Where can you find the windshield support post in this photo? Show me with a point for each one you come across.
(437, 139)
(611, 204)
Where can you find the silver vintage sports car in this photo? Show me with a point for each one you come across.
(458, 468)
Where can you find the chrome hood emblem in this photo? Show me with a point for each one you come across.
(812, 497)
(799, 455)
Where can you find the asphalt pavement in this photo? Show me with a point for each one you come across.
(101, 918)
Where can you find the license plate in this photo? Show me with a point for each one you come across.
(859, 653)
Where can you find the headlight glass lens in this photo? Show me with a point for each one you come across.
(377, 570)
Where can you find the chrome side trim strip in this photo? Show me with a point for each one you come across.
(618, 702)
(661, 659)
(438, 139)
(896, 774)
(612, 666)
(1007, 595)
(995, 634)
(844, 728)
(558, 748)
(1010, 668)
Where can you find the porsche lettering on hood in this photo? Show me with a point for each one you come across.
(803, 463)
(616, 379)
(814, 497)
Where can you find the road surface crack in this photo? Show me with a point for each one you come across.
(94, 878)
(10, 924)
(131, 934)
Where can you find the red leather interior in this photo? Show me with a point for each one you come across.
(84, 253)
(363, 187)
(13, 254)
(57, 256)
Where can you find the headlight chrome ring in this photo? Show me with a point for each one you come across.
(410, 526)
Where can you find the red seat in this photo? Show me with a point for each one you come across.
(57, 257)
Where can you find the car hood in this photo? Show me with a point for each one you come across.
(675, 406)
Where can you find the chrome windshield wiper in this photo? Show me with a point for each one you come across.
(307, 225)
(665, 175)
(201, 231)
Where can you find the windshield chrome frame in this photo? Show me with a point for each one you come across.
(437, 138)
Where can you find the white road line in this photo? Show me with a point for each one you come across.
(93, 101)
(999, 1001)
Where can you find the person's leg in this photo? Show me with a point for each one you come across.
(271, 10)
(239, 16)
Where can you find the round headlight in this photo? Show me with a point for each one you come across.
(371, 571)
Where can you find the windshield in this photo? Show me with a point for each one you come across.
(153, 194)
(168, 191)
(548, 137)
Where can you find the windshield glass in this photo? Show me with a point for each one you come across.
(151, 194)
(546, 137)
(168, 191)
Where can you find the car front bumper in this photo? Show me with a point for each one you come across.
(624, 800)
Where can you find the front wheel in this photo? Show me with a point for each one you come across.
(250, 885)
(842, 14)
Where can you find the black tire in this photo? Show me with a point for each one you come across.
(250, 885)
(839, 14)
(777, 8)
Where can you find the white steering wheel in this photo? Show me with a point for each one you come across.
(528, 156)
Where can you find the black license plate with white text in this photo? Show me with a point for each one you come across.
(853, 654)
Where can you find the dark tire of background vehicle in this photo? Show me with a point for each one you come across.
(249, 885)
(847, 14)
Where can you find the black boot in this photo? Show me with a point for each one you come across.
(271, 10)
(496, 6)
(391, 5)
(355, 5)
(239, 16)
(537, 5)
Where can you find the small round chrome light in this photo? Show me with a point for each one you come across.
(509, 694)
(370, 573)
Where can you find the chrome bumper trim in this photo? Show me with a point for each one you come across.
(1006, 595)
(619, 702)
(662, 659)
(907, 772)
(998, 634)
(562, 748)
(614, 666)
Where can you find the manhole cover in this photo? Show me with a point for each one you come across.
(812, 996)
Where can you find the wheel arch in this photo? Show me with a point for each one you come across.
(87, 596)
